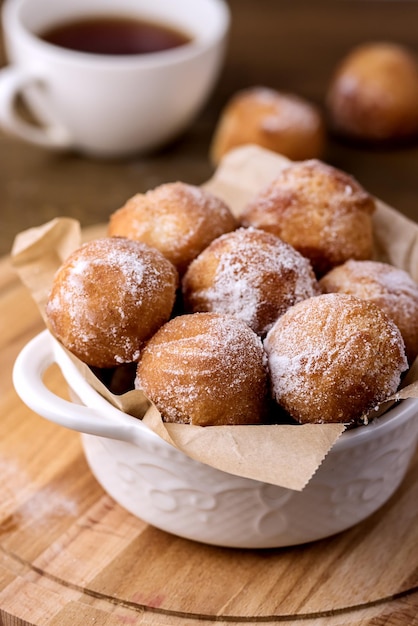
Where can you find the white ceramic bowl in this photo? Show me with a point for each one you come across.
(169, 490)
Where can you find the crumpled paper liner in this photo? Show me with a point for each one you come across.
(283, 455)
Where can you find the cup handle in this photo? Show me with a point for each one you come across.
(28, 372)
(13, 82)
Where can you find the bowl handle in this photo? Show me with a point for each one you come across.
(28, 372)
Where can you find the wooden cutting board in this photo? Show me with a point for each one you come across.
(70, 556)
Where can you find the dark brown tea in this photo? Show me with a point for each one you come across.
(115, 36)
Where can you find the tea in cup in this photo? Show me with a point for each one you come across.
(109, 79)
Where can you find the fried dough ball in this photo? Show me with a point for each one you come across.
(373, 95)
(250, 274)
(391, 288)
(333, 358)
(178, 219)
(205, 369)
(281, 122)
(321, 211)
(108, 297)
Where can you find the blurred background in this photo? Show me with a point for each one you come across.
(289, 45)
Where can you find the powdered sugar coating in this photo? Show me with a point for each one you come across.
(250, 274)
(284, 111)
(321, 211)
(178, 219)
(205, 369)
(333, 358)
(281, 122)
(373, 95)
(108, 297)
(391, 288)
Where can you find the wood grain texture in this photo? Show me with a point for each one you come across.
(70, 555)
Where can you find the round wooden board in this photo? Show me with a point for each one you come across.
(69, 555)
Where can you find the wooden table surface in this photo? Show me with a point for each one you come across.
(289, 45)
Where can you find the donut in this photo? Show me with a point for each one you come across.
(250, 274)
(320, 210)
(178, 219)
(205, 369)
(334, 358)
(389, 287)
(373, 95)
(281, 122)
(108, 297)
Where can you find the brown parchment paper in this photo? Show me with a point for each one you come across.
(283, 455)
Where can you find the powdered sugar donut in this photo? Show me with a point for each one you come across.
(320, 210)
(281, 122)
(108, 297)
(250, 274)
(205, 369)
(389, 287)
(373, 95)
(178, 219)
(333, 358)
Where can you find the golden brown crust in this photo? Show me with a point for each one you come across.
(391, 288)
(108, 297)
(374, 93)
(205, 369)
(321, 211)
(333, 358)
(250, 274)
(178, 219)
(280, 122)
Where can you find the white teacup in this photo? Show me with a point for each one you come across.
(103, 104)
